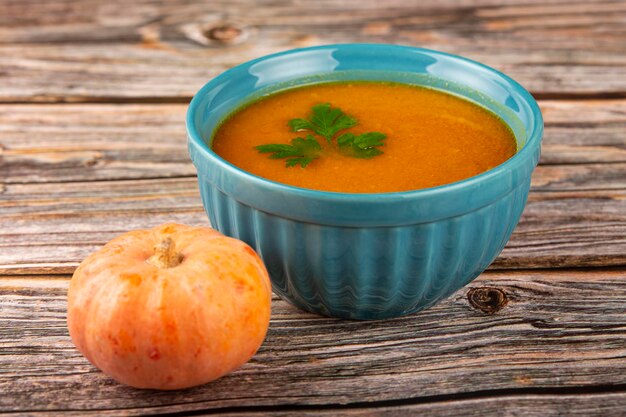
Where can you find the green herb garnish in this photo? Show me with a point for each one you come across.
(363, 145)
(300, 152)
(326, 121)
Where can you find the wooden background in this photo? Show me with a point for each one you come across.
(92, 144)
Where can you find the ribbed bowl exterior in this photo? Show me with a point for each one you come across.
(369, 272)
(367, 256)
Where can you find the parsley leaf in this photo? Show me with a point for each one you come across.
(326, 121)
(300, 152)
(363, 145)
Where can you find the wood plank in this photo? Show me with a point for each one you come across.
(62, 51)
(583, 131)
(75, 21)
(100, 142)
(527, 405)
(67, 197)
(535, 405)
(49, 228)
(92, 20)
(568, 229)
(52, 143)
(96, 142)
(558, 330)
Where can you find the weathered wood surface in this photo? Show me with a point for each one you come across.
(75, 50)
(576, 215)
(562, 331)
(53, 143)
(49, 228)
(526, 405)
(72, 176)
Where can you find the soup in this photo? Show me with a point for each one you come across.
(419, 137)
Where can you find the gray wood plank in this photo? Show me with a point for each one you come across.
(558, 330)
(90, 51)
(49, 228)
(544, 404)
(575, 215)
(527, 405)
(74, 176)
(32, 21)
(52, 143)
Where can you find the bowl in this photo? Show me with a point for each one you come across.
(366, 256)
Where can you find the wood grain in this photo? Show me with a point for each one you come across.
(583, 131)
(558, 330)
(49, 228)
(52, 143)
(42, 143)
(541, 404)
(86, 51)
(605, 405)
(575, 215)
(531, 338)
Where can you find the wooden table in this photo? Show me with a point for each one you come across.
(92, 144)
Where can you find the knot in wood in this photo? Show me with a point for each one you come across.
(224, 33)
(489, 300)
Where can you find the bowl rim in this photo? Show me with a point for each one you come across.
(534, 135)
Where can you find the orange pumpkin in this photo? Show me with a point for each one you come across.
(169, 308)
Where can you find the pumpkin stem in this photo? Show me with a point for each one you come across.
(165, 255)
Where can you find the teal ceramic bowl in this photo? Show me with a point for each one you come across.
(367, 256)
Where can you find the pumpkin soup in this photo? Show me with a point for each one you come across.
(364, 137)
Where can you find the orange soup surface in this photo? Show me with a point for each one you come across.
(433, 138)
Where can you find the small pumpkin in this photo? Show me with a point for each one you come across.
(169, 308)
